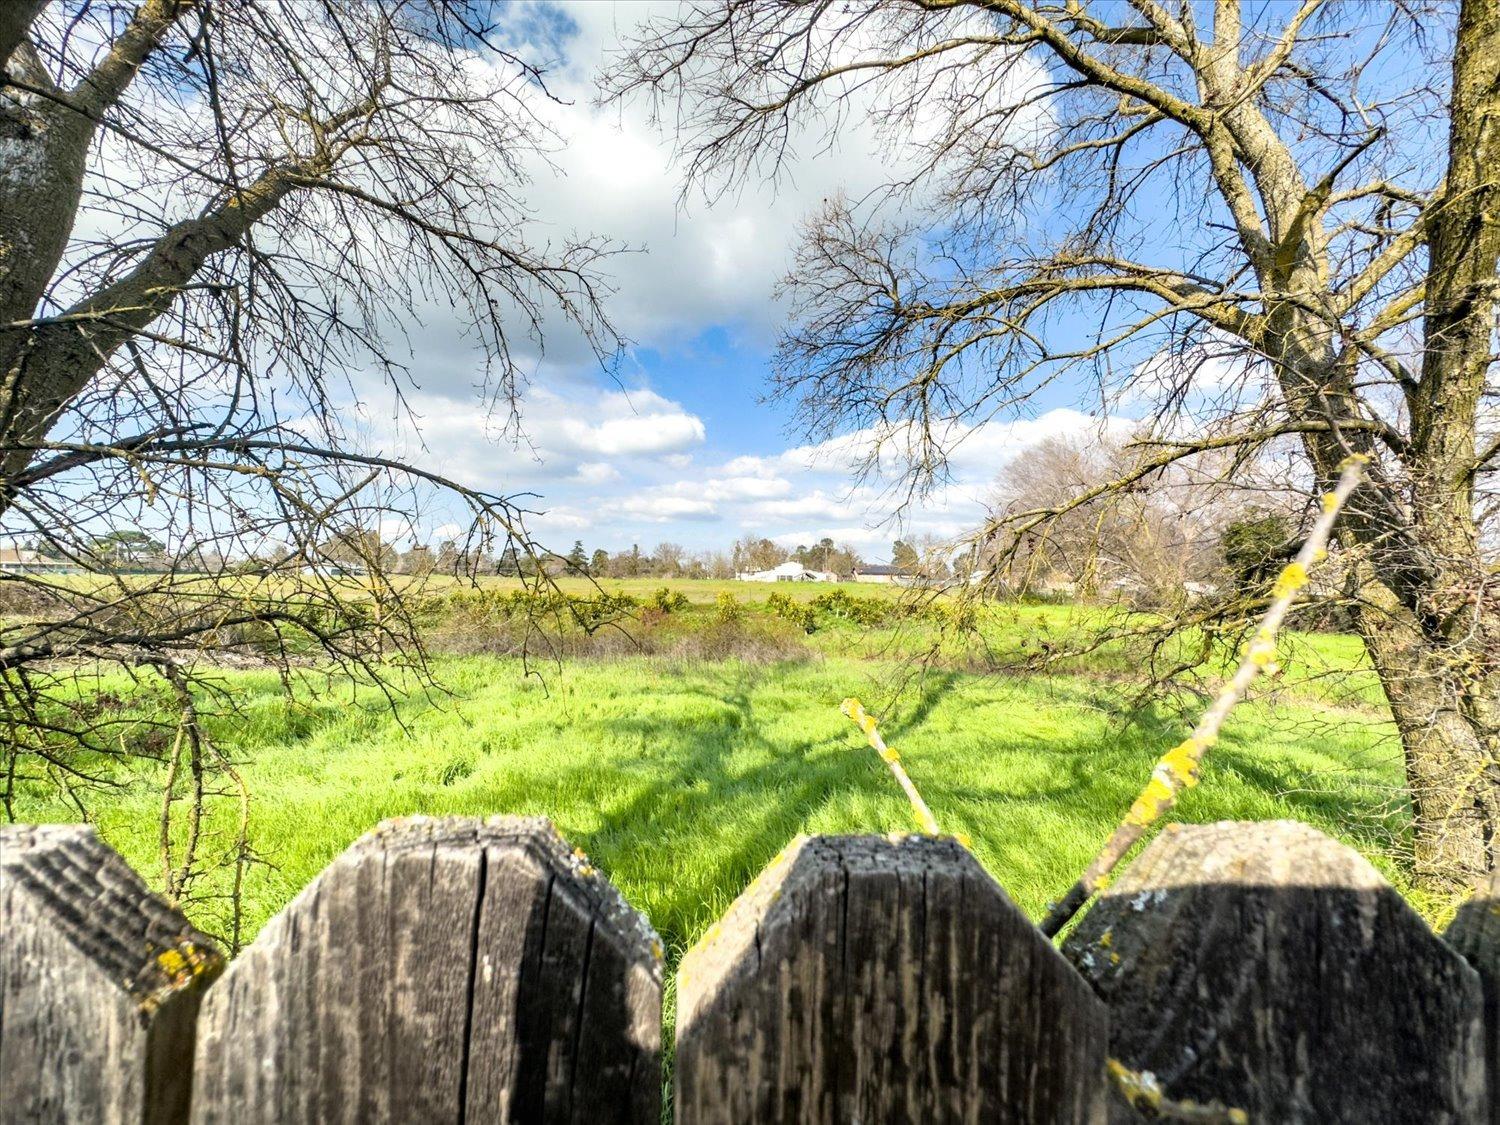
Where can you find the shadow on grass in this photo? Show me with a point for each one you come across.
(684, 782)
(711, 801)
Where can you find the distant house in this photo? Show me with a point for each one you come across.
(19, 560)
(788, 572)
(884, 575)
(1056, 584)
(335, 570)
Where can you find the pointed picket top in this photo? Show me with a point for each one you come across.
(441, 970)
(1272, 969)
(100, 982)
(865, 978)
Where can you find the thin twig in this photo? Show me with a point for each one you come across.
(1180, 767)
(866, 723)
(1142, 1090)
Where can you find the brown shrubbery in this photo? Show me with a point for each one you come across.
(605, 626)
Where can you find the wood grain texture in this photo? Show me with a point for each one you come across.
(1273, 969)
(865, 979)
(441, 970)
(100, 983)
(1475, 933)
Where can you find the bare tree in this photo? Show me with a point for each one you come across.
(1277, 219)
(218, 220)
(668, 558)
(751, 554)
(1148, 542)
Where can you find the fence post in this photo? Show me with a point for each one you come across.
(1475, 933)
(99, 984)
(869, 979)
(441, 970)
(1273, 969)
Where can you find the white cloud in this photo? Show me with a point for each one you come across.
(871, 541)
(579, 441)
(703, 262)
(745, 488)
(596, 473)
(648, 433)
(815, 504)
(617, 465)
(662, 509)
(750, 465)
(560, 519)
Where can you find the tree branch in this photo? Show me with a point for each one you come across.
(147, 30)
(16, 18)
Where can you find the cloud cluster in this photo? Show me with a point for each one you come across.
(613, 465)
(801, 494)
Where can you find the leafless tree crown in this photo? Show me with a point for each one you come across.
(220, 222)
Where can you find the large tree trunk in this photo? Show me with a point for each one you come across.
(1444, 698)
(1439, 651)
(45, 136)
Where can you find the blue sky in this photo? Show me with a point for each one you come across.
(675, 442)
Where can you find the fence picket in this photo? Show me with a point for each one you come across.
(457, 969)
(99, 984)
(441, 970)
(1273, 969)
(1475, 933)
(866, 979)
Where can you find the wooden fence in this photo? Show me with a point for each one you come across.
(473, 971)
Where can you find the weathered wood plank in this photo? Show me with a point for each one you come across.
(876, 980)
(1475, 934)
(1273, 969)
(100, 983)
(441, 971)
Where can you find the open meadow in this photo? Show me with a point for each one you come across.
(683, 747)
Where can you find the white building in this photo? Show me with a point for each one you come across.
(22, 560)
(884, 575)
(788, 572)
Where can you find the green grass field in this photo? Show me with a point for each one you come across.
(682, 778)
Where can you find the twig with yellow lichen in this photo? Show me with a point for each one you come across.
(866, 723)
(1179, 768)
(1141, 1089)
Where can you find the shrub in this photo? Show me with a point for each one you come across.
(794, 611)
(781, 605)
(962, 615)
(727, 607)
(862, 611)
(790, 609)
(668, 600)
(507, 621)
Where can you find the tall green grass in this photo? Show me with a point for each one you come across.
(682, 779)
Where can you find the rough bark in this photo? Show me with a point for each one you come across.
(1449, 763)
(45, 137)
(60, 358)
(1427, 611)
(1425, 615)
(15, 21)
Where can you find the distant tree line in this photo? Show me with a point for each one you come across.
(354, 549)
